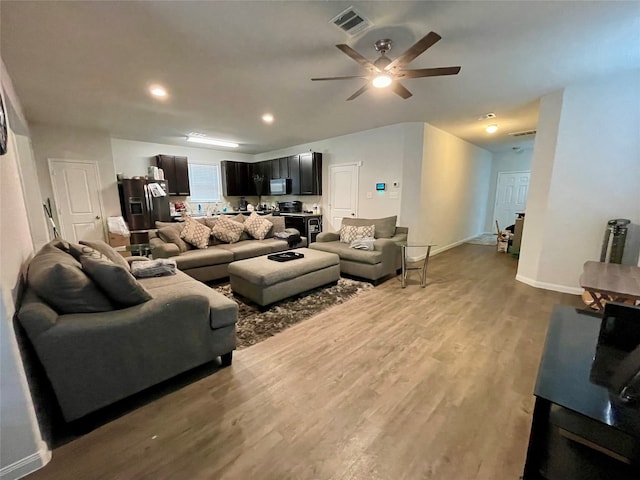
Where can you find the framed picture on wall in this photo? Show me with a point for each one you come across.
(3, 127)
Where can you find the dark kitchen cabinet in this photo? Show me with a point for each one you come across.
(176, 173)
(294, 173)
(311, 173)
(262, 169)
(237, 178)
(284, 167)
(274, 169)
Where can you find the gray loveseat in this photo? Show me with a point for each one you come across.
(212, 263)
(97, 349)
(374, 265)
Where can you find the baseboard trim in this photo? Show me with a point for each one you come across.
(27, 465)
(550, 286)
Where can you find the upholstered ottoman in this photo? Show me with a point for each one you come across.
(265, 281)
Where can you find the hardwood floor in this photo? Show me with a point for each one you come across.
(411, 384)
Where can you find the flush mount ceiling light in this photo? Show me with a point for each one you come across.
(267, 118)
(493, 128)
(158, 91)
(211, 141)
(381, 81)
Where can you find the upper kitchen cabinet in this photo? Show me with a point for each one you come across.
(293, 162)
(283, 166)
(176, 173)
(311, 173)
(237, 178)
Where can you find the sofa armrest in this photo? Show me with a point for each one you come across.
(328, 237)
(160, 249)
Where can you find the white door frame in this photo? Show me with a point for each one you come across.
(348, 164)
(60, 226)
(495, 201)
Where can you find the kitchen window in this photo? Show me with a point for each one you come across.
(204, 181)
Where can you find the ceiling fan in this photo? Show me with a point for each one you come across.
(385, 72)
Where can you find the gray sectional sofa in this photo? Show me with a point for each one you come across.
(374, 265)
(97, 348)
(212, 263)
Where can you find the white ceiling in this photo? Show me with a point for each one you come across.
(88, 64)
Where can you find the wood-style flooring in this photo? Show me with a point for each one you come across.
(414, 384)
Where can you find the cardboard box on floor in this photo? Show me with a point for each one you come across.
(117, 240)
(119, 235)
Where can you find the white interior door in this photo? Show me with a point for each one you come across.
(76, 192)
(511, 196)
(343, 193)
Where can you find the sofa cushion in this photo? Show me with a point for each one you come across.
(196, 233)
(278, 224)
(240, 218)
(385, 227)
(348, 253)
(349, 233)
(203, 258)
(107, 250)
(116, 281)
(257, 226)
(246, 249)
(57, 278)
(227, 230)
(275, 244)
(171, 234)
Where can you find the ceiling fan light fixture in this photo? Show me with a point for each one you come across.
(211, 141)
(381, 81)
(493, 128)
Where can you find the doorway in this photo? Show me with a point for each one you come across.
(76, 187)
(511, 196)
(343, 193)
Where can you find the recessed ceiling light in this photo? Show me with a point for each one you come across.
(158, 91)
(267, 118)
(211, 141)
(487, 116)
(493, 128)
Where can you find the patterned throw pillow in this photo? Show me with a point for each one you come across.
(227, 230)
(195, 233)
(348, 233)
(257, 226)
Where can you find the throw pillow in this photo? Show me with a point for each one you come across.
(257, 226)
(227, 230)
(240, 218)
(57, 278)
(108, 251)
(195, 233)
(171, 234)
(116, 281)
(385, 227)
(278, 225)
(349, 233)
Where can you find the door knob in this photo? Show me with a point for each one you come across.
(97, 217)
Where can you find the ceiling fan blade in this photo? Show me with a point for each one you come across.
(418, 48)
(336, 78)
(359, 92)
(346, 49)
(399, 89)
(428, 72)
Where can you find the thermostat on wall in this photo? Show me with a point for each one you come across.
(381, 186)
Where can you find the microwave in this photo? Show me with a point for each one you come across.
(280, 186)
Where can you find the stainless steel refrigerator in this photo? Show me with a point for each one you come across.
(143, 203)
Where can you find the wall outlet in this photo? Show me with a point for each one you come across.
(395, 184)
(369, 195)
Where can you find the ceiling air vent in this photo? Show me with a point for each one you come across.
(351, 21)
(523, 133)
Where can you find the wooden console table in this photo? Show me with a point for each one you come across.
(610, 282)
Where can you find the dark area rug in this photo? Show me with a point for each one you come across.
(254, 325)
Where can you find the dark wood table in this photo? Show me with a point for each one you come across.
(580, 430)
(611, 282)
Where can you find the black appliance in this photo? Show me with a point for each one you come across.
(280, 186)
(290, 207)
(142, 202)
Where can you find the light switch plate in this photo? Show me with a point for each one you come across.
(393, 195)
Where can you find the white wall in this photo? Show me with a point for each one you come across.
(383, 152)
(50, 142)
(455, 188)
(507, 161)
(21, 447)
(132, 158)
(586, 170)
